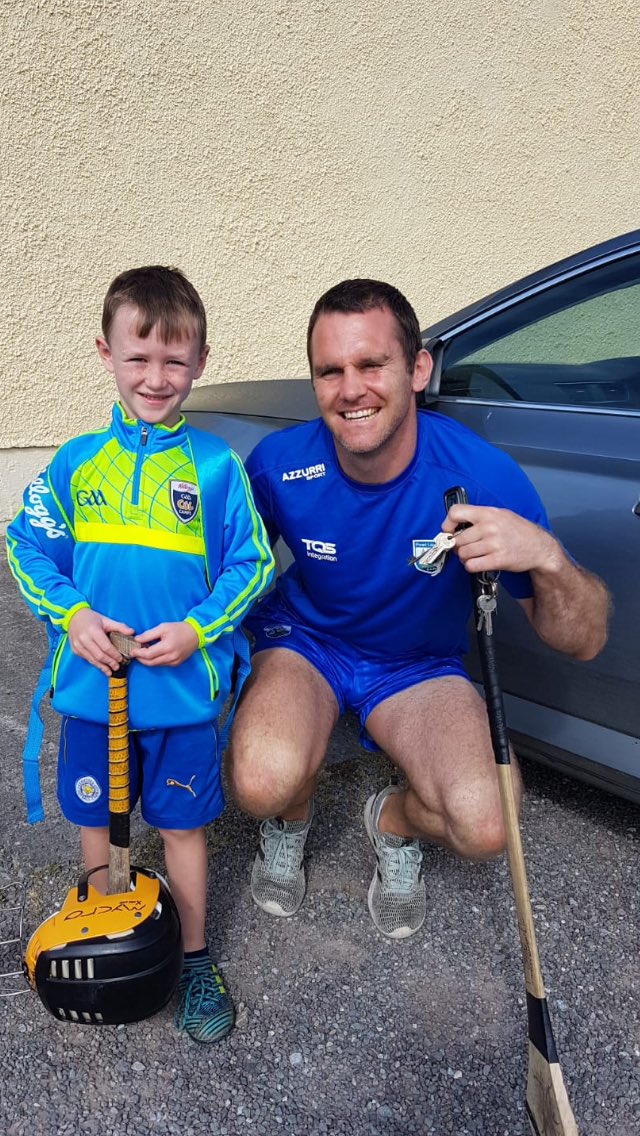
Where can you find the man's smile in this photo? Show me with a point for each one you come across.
(353, 415)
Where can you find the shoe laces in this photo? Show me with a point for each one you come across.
(282, 847)
(202, 994)
(400, 866)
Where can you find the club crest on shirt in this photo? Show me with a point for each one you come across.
(185, 499)
(420, 546)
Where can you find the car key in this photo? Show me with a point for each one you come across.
(442, 543)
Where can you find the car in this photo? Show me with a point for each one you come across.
(547, 369)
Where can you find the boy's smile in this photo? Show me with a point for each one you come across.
(153, 378)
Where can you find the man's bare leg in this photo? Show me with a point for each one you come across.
(278, 743)
(437, 732)
(280, 735)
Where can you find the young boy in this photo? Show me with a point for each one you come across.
(115, 536)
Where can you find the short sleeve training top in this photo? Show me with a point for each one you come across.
(352, 542)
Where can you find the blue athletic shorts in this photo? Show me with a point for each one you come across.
(360, 682)
(175, 774)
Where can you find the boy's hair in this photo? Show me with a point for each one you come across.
(361, 295)
(163, 296)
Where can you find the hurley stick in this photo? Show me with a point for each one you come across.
(547, 1101)
(119, 826)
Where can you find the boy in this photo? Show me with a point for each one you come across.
(112, 538)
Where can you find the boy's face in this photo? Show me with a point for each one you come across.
(153, 378)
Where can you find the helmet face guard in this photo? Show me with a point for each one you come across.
(108, 959)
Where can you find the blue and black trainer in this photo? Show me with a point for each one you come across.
(205, 1010)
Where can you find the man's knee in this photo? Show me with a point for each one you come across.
(259, 786)
(472, 824)
(477, 823)
(479, 836)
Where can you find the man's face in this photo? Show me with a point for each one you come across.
(366, 392)
(153, 378)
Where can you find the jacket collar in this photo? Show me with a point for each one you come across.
(129, 431)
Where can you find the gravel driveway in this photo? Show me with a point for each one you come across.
(340, 1031)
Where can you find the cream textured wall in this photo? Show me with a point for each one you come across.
(272, 148)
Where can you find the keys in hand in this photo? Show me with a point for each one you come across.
(443, 543)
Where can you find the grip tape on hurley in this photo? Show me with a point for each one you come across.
(118, 745)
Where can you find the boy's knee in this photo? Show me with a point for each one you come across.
(178, 835)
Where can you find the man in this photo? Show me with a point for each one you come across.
(357, 622)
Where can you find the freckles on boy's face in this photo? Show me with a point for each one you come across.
(153, 378)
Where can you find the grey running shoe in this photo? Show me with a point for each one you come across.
(277, 879)
(397, 898)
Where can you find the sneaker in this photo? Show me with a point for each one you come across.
(277, 879)
(397, 897)
(205, 1010)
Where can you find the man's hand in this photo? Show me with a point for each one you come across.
(570, 607)
(171, 644)
(501, 540)
(88, 637)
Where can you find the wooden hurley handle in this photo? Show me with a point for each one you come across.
(123, 643)
(119, 804)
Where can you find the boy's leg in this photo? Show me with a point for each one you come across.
(205, 1010)
(437, 733)
(185, 855)
(181, 793)
(278, 743)
(83, 789)
(95, 851)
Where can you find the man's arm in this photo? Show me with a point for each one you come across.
(570, 607)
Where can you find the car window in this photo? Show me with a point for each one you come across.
(577, 343)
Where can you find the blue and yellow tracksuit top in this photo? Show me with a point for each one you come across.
(117, 523)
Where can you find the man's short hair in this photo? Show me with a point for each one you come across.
(361, 295)
(163, 296)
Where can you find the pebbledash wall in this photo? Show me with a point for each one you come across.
(270, 149)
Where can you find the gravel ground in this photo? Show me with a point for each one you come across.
(339, 1031)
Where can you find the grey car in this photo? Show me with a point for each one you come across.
(549, 370)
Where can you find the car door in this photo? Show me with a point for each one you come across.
(553, 377)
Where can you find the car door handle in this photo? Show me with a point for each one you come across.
(636, 508)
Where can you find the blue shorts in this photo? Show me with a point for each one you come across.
(175, 773)
(359, 681)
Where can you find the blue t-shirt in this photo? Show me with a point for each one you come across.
(352, 542)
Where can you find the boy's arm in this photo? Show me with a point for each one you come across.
(40, 544)
(247, 563)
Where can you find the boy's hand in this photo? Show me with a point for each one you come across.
(89, 639)
(171, 644)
